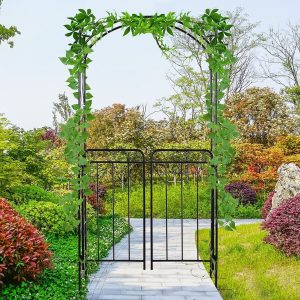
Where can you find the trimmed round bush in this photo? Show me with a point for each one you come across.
(24, 193)
(24, 253)
(283, 225)
(267, 206)
(242, 192)
(49, 217)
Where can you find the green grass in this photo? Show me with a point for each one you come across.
(174, 202)
(60, 283)
(250, 269)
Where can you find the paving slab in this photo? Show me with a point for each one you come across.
(168, 280)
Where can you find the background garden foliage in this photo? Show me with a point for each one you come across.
(36, 178)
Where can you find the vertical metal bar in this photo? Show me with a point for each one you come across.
(128, 205)
(144, 211)
(113, 207)
(166, 170)
(151, 212)
(80, 204)
(212, 206)
(211, 104)
(216, 189)
(181, 207)
(212, 220)
(197, 207)
(83, 95)
(97, 201)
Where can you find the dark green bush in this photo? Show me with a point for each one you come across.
(49, 217)
(24, 193)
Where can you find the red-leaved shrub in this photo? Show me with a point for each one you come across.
(24, 253)
(267, 206)
(92, 199)
(283, 224)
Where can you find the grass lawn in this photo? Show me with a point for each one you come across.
(60, 283)
(252, 269)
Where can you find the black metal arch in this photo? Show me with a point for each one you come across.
(82, 227)
(150, 17)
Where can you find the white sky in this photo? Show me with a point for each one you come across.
(125, 70)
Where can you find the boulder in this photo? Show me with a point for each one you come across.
(288, 184)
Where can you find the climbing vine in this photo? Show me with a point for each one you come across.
(209, 31)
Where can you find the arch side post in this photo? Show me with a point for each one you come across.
(79, 214)
(216, 102)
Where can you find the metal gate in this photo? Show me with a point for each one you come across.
(120, 169)
(179, 171)
(181, 176)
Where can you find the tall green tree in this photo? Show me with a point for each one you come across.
(7, 33)
(12, 172)
(183, 109)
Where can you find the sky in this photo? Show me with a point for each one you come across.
(124, 69)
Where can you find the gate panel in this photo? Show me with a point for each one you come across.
(178, 180)
(116, 170)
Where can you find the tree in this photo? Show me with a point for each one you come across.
(183, 110)
(260, 114)
(12, 172)
(242, 43)
(292, 97)
(61, 112)
(6, 34)
(281, 63)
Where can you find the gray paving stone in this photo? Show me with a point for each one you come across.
(168, 280)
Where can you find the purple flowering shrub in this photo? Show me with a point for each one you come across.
(283, 225)
(242, 192)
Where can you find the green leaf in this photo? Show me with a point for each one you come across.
(170, 31)
(64, 60)
(127, 30)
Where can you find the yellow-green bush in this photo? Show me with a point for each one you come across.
(48, 217)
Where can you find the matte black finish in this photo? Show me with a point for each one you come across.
(160, 172)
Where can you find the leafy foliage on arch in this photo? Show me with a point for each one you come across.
(209, 31)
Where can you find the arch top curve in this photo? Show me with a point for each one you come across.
(178, 25)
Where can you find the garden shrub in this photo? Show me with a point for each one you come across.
(91, 218)
(242, 192)
(267, 206)
(24, 253)
(49, 217)
(24, 193)
(92, 199)
(283, 225)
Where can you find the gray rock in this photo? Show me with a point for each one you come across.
(288, 184)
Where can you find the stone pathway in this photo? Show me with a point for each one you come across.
(168, 280)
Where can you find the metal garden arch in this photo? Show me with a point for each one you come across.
(213, 36)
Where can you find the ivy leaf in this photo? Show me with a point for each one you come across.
(127, 30)
(64, 60)
(170, 31)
